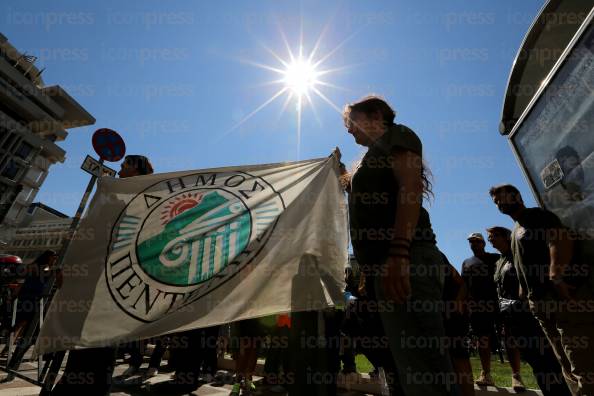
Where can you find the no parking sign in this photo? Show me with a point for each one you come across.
(108, 145)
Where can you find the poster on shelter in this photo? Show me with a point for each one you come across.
(555, 140)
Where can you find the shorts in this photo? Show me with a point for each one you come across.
(483, 323)
(250, 333)
(456, 329)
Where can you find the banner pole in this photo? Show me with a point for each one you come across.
(40, 357)
(11, 336)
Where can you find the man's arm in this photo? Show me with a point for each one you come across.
(560, 252)
(464, 272)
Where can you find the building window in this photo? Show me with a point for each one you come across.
(11, 170)
(9, 141)
(24, 150)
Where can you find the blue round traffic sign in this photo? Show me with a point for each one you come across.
(108, 145)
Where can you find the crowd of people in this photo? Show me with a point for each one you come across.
(539, 288)
(407, 309)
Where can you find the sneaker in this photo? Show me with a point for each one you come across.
(248, 388)
(151, 372)
(236, 389)
(485, 379)
(517, 383)
(130, 371)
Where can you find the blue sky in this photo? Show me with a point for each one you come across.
(172, 78)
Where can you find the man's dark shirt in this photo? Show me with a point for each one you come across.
(478, 273)
(373, 199)
(530, 249)
(506, 278)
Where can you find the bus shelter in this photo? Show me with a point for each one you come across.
(548, 111)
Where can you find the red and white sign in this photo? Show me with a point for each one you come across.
(108, 145)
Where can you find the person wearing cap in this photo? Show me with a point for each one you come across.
(558, 284)
(477, 272)
(523, 335)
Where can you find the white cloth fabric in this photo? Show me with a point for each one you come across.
(169, 252)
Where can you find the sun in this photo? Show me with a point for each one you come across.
(179, 205)
(300, 77)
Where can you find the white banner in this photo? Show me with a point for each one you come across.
(169, 252)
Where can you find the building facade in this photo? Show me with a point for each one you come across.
(33, 119)
(41, 228)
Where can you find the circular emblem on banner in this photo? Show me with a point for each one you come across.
(181, 238)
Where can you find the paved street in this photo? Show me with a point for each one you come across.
(157, 386)
(135, 385)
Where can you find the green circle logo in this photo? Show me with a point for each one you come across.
(193, 235)
(184, 237)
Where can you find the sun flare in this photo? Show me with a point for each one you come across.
(300, 77)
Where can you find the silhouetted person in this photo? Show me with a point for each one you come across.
(559, 291)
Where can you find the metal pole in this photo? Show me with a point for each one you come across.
(40, 357)
(11, 336)
(52, 373)
(75, 221)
